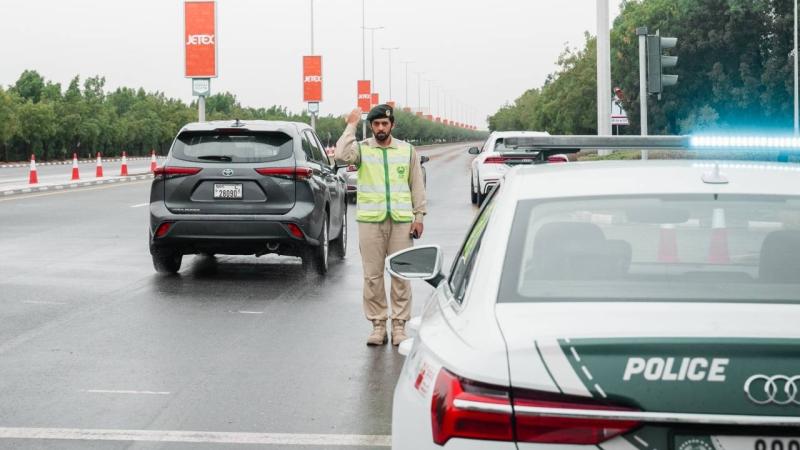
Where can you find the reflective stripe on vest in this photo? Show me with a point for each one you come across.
(383, 184)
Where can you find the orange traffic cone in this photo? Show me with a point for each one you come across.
(76, 175)
(668, 244)
(34, 177)
(99, 170)
(718, 250)
(123, 171)
(153, 163)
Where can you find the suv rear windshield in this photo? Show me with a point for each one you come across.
(671, 248)
(232, 147)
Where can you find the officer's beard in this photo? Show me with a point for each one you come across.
(381, 136)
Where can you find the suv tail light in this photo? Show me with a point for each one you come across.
(462, 408)
(175, 172)
(298, 173)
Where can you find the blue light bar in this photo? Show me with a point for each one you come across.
(745, 142)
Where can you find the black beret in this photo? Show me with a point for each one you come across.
(381, 112)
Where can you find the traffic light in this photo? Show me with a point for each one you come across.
(656, 62)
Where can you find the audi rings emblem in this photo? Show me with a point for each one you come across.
(774, 389)
(227, 172)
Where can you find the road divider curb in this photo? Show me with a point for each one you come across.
(76, 185)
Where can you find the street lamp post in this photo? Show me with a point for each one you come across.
(419, 90)
(390, 50)
(406, 64)
(372, 38)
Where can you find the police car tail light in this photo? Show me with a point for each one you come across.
(175, 172)
(495, 160)
(465, 409)
(557, 419)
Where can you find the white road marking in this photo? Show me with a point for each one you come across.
(250, 312)
(349, 440)
(109, 391)
(36, 302)
(139, 205)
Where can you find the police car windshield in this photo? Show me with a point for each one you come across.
(684, 248)
(236, 147)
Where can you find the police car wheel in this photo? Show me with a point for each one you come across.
(473, 195)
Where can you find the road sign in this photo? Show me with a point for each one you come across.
(364, 97)
(313, 107)
(200, 39)
(618, 115)
(375, 99)
(312, 78)
(201, 87)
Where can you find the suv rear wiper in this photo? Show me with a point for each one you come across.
(216, 158)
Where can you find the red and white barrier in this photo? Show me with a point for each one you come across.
(123, 170)
(99, 168)
(153, 162)
(668, 244)
(718, 250)
(76, 174)
(33, 178)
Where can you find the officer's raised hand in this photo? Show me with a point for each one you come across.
(354, 117)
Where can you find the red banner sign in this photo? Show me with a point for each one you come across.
(200, 39)
(364, 97)
(312, 78)
(375, 99)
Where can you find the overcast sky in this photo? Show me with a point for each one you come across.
(480, 54)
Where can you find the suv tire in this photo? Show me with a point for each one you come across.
(167, 261)
(315, 258)
(339, 246)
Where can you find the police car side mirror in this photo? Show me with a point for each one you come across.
(474, 150)
(417, 263)
(423, 159)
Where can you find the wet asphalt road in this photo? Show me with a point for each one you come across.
(91, 338)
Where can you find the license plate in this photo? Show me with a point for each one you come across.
(736, 443)
(230, 191)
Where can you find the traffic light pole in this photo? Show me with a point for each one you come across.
(642, 33)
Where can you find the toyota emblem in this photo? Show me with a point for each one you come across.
(227, 172)
(775, 389)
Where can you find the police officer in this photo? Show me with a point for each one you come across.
(391, 204)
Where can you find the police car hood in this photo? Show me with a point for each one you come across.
(713, 358)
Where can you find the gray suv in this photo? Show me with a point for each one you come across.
(244, 188)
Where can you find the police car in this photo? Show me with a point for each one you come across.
(641, 305)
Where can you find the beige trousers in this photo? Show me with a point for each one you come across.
(377, 241)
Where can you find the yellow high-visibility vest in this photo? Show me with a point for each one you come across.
(383, 184)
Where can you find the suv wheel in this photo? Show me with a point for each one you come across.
(316, 258)
(339, 246)
(167, 261)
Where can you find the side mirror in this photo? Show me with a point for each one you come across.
(474, 150)
(423, 159)
(417, 263)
